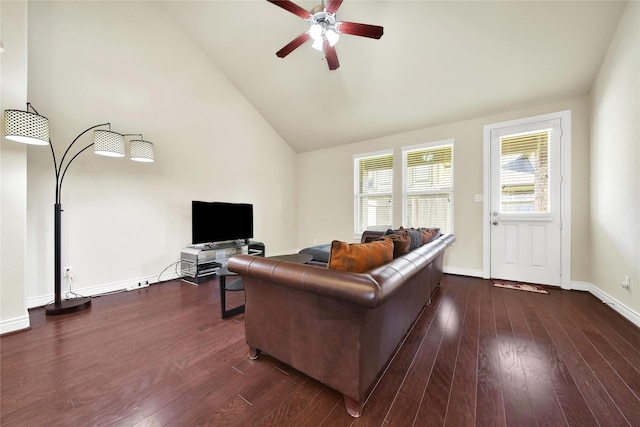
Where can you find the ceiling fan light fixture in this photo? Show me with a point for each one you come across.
(315, 31)
(332, 37)
(318, 44)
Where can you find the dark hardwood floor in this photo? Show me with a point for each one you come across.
(478, 355)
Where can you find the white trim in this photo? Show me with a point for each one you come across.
(625, 311)
(581, 286)
(461, 271)
(434, 144)
(373, 154)
(565, 191)
(15, 324)
(104, 288)
(565, 198)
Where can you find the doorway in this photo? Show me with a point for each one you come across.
(527, 200)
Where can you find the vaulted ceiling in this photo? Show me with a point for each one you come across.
(438, 61)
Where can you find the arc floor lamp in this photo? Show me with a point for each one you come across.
(31, 128)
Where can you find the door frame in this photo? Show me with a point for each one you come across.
(565, 191)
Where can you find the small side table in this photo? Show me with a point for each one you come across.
(236, 285)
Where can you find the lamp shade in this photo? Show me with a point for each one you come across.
(26, 127)
(107, 143)
(141, 151)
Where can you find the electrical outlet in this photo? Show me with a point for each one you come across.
(68, 271)
(138, 285)
(626, 282)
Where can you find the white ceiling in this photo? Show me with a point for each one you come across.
(438, 61)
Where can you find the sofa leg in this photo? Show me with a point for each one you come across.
(253, 352)
(354, 408)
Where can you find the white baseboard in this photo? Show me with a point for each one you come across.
(581, 286)
(460, 271)
(124, 285)
(15, 324)
(626, 312)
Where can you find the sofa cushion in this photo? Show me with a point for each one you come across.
(370, 236)
(429, 234)
(319, 253)
(401, 243)
(414, 235)
(360, 257)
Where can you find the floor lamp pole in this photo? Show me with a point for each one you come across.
(57, 249)
(60, 306)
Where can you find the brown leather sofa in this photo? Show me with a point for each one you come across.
(338, 327)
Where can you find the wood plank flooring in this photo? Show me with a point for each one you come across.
(477, 356)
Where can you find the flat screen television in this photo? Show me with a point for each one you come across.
(219, 222)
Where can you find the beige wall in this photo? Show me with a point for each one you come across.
(129, 64)
(325, 190)
(615, 165)
(13, 171)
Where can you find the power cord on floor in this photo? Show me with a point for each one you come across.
(168, 267)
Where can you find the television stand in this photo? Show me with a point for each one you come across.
(200, 264)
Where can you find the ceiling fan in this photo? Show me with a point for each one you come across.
(324, 29)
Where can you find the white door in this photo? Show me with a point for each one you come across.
(525, 230)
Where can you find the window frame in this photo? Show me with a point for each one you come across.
(450, 190)
(357, 196)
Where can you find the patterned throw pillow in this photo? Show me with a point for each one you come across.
(360, 257)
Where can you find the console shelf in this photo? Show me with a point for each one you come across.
(199, 264)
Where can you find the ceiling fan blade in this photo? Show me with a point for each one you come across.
(292, 7)
(333, 5)
(294, 44)
(362, 30)
(332, 56)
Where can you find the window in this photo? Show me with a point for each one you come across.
(524, 172)
(373, 179)
(428, 185)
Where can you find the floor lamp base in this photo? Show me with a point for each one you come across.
(67, 306)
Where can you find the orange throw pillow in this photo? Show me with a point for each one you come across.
(360, 257)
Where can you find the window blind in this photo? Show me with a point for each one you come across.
(524, 173)
(428, 187)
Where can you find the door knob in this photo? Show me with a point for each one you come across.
(495, 223)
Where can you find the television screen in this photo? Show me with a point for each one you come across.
(219, 222)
